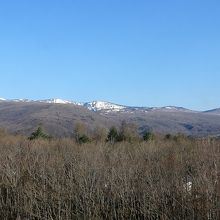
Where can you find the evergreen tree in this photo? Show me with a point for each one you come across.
(113, 135)
(39, 134)
(148, 136)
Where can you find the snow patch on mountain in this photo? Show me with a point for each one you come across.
(60, 101)
(56, 101)
(19, 100)
(174, 108)
(101, 105)
(169, 109)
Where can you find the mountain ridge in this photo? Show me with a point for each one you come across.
(99, 105)
(22, 116)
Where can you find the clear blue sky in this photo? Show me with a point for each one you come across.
(133, 52)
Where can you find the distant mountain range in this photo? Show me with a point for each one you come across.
(58, 117)
(99, 105)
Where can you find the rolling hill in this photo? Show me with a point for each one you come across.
(58, 117)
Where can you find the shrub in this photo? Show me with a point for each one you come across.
(148, 136)
(83, 139)
(168, 136)
(59, 180)
(127, 132)
(179, 137)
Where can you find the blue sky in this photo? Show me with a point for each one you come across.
(132, 52)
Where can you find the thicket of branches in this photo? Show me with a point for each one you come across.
(62, 179)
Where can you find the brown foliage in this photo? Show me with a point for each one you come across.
(59, 179)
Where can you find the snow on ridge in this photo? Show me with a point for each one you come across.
(175, 108)
(56, 101)
(16, 100)
(59, 101)
(20, 100)
(102, 105)
(170, 108)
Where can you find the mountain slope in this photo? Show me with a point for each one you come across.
(100, 106)
(59, 119)
(213, 111)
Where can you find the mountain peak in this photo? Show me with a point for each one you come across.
(103, 105)
(56, 101)
(100, 106)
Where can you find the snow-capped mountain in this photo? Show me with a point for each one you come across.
(20, 100)
(15, 100)
(56, 101)
(101, 105)
(50, 101)
(60, 101)
(170, 109)
(58, 116)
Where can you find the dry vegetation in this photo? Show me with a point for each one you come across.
(59, 179)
